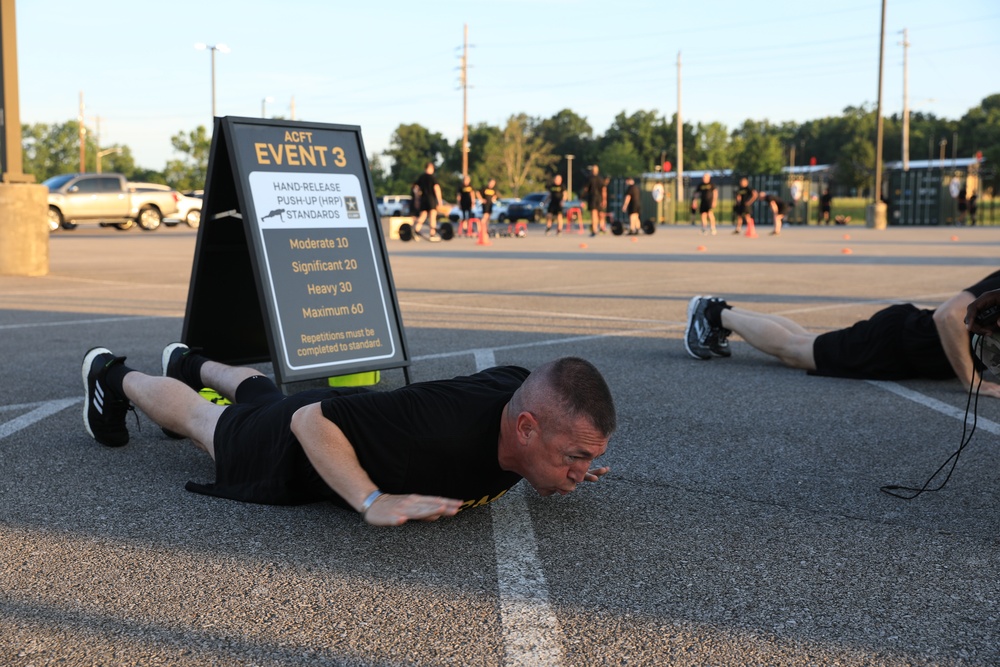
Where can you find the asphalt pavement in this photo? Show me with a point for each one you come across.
(741, 524)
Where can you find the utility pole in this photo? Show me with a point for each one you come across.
(680, 136)
(11, 157)
(83, 137)
(906, 103)
(465, 104)
(293, 107)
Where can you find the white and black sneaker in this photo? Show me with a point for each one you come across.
(719, 343)
(698, 333)
(104, 411)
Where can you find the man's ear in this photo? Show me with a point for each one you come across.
(525, 426)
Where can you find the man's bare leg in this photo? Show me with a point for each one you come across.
(174, 406)
(225, 379)
(772, 334)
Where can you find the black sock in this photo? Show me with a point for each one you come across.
(713, 313)
(191, 364)
(115, 377)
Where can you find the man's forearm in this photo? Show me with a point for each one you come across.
(949, 319)
(332, 454)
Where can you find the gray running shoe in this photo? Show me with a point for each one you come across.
(698, 333)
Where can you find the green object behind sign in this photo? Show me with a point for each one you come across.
(365, 379)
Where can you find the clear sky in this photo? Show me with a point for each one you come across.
(379, 63)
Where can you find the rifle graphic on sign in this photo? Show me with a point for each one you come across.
(276, 212)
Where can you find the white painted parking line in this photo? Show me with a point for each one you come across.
(531, 633)
(99, 320)
(40, 412)
(936, 405)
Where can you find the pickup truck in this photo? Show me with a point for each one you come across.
(108, 199)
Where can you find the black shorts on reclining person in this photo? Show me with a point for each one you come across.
(896, 343)
(256, 459)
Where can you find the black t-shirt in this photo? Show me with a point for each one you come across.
(743, 197)
(777, 202)
(922, 343)
(825, 201)
(595, 192)
(633, 195)
(465, 202)
(556, 197)
(489, 197)
(705, 191)
(428, 197)
(434, 438)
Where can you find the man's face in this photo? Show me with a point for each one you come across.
(557, 180)
(706, 178)
(556, 460)
(743, 182)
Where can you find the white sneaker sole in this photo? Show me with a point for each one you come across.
(165, 356)
(692, 307)
(88, 362)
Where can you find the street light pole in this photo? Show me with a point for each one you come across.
(213, 48)
(569, 173)
(101, 154)
(263, 106)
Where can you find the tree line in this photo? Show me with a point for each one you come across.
(524, 153)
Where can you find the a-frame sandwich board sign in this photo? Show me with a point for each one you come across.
(290, 264)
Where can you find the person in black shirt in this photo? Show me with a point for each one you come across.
(778, 208)
(631, 206)
(898, 342)
(489, 196)
(422, 451)
(744, 197)
(825, 207)
(430, 197)
(595, 194)
(709, 196)
(465, 196)
(557, 195)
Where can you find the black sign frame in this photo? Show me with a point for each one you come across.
(248, 289)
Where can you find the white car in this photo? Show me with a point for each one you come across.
(393, 205)
(188, 210)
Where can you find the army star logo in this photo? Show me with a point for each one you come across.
(352, 207)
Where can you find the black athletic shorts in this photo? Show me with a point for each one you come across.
(896, 343)
(705, 207)
(555, 207)
(257, 459)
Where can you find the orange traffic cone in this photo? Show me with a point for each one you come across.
(751, 230)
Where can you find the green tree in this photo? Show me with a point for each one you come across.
(518, 158)
(49, 150)
(569, 134)
(649, 133)
(979, 130)
(191, 169)
(712, 149)
(757, 149)
(410, 148)
(619, 159)
(479, 135)
(856, 164)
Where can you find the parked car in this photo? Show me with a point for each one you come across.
(456, 213)
(394, 205)
(188, 205)
(105, 199)
(188, 210)
(529, 208)
(499, 213)
(501, 206)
